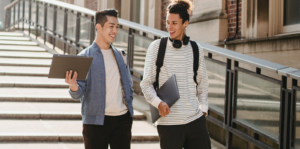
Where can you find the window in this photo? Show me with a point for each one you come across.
(291, 12)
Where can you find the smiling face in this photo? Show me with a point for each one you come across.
(175, 26)
(109, 30)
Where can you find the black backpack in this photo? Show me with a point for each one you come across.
(161, 56)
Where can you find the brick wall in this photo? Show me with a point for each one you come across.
(164, 6)
(91, 4)
(231, 12)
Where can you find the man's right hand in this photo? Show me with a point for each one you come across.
(72, 81)
(163, 109)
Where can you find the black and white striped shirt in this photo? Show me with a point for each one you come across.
(178, 62)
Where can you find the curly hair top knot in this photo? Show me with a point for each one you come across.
(182, 7)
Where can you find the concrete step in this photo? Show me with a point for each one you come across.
(25, 62)
(21, 48)
(24, 71)
(12, 34)
(139, 58)
(23, 43)
(34, 82)
(62, 130)
(34, 93)
(37, 110)
(31, 55)
(14, 38)
(70, 145)
(138, 63)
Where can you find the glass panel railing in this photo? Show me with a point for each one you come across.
(85, 29)
(60, 21)
(142, 41)
(258, 104)
(41, 14)
(216, 92)
(297, 133)
(71, 28)
(26, 11)
(21, 9)
(141, 44)
(16, 17)
(121, 40)
(50, 10)
(33, 12)
(11, 15)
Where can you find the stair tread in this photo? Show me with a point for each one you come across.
(31, 80)
(37, 107)
(61, 127)
(26, 54)
(66, 145)
(10, 34)
(20, 69)
(34, 92)
(24, 43)
(14, 38)
(21, 48)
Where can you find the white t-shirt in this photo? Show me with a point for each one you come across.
(114, 105)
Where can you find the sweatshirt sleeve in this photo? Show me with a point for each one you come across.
(150, 74)
(202, 79)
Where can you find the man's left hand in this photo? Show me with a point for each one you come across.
(205, 114)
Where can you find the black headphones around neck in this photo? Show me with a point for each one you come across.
(178, 44)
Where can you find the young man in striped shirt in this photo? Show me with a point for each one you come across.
(184, 124)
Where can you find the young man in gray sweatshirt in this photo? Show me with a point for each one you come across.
(106, 95)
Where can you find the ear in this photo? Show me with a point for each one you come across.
(186, 23)
(98, 27)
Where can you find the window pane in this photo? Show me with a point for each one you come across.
(291, 12)
(297, 141)
(258, 104)
(216, 91)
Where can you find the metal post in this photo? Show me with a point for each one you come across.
(29, 18)
(14, 16)
(282, 134)
(228, 103)
(54, 24)
(36, 19)
(92, 30)
(65, 28)
(23, 15)
(77, 33)
(293, 116)
(45, 22)
(130, 47)
(18, 15)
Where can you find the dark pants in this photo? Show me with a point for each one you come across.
(193, 135)
(116, 132)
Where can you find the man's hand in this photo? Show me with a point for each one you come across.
(163, 109)
(72, 81)
(204, 113)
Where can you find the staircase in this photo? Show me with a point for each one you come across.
(37, 112)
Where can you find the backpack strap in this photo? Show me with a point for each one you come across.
(160, 59)
(196, 59)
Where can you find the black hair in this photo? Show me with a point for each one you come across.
(100, 16)
(181, 7)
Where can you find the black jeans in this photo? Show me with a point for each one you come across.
(193, 135)
(116, 131)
